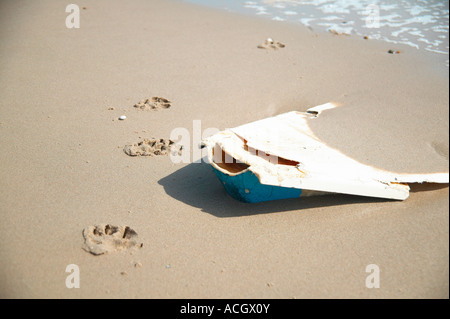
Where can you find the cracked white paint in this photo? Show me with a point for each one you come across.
(320, 167)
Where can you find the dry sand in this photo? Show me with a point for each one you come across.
(63, 167)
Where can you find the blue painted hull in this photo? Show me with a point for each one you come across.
(246, 187)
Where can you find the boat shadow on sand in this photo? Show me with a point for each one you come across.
(196, 185)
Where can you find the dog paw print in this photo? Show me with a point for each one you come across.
(153, 103)
(152, 147)
(107, 238)
(271, 44)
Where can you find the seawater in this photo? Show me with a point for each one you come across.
(422, 24)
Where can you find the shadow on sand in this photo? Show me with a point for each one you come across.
(197, 185)
(426, 187)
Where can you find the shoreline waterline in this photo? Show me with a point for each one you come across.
(418, 24)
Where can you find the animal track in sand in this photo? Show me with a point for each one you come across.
(440, 148)
(153, 103)
(152, 147)
(106, 238)
(270, 44)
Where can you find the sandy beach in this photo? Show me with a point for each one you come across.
(63, 167)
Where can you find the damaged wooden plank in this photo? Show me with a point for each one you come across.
(280, 157)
